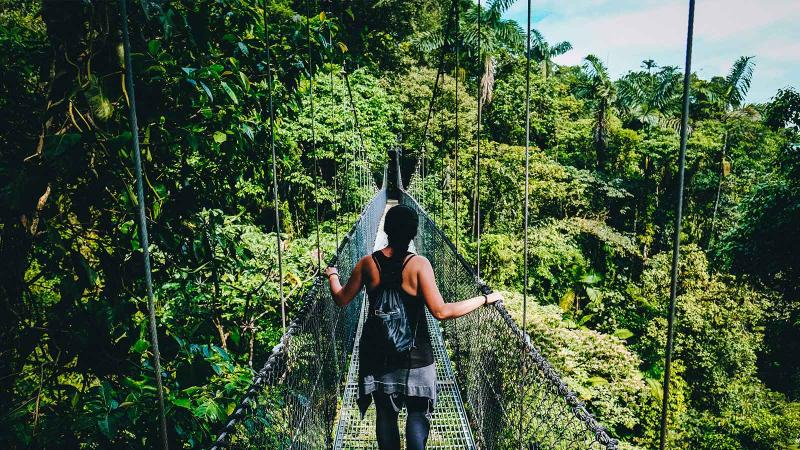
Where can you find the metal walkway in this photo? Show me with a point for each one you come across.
(449, 427)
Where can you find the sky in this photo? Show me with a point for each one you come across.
(623, 33)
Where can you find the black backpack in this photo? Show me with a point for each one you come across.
(392, 319)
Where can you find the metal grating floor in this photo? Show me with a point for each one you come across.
(449, 426)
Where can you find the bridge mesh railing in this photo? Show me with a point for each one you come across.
(294, 398)
(513, 396)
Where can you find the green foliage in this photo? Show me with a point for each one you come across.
(76, 367)
(784, 110)
(596, 366)
(74, 328)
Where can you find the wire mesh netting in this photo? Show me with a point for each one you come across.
(513, 396)
(294, 398)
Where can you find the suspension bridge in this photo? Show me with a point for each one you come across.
(496, 390)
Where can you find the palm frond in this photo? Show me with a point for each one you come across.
(560, 48)
(631, 90)
(738, 80)
(509, 34)
(672, 123)
(428, 41)
(536, 38)
(594, 67)
(498, 7)
(666, 91)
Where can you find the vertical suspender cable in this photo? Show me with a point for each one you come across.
(335, 168)
(439, 74)
(275, 199)
(478, 156)
(455, 171)
(525, 215)
(676, 244)
(143, 238)
(351, 164)
(313, 134)
(356, 126)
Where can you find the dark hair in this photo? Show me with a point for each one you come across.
(400, 226)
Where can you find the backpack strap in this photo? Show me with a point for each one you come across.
(407, 260)
(375, 258)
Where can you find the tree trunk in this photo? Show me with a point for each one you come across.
(719, 190)
(600, 136)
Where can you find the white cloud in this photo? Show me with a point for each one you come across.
(625, 32)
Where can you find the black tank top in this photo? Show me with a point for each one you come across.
(375, 360)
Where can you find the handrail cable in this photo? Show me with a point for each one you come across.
(275, 194)
(143, 236)
(676, 245)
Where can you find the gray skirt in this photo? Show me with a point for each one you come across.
(420, 382)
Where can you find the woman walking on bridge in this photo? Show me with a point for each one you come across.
(396, 363)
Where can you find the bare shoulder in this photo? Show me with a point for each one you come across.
(419, 263)
(364, 261)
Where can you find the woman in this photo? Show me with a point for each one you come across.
(392, 379)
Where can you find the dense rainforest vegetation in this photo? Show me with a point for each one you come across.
(76, 359)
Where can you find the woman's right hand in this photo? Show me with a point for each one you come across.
(493, 297)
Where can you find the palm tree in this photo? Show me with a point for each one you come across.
(737, 83)
(651, 98)
(596, 87)
(496, 36)
(734, 90)
(544, 53)
(649, 65)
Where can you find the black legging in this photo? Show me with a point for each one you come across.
(417, 423)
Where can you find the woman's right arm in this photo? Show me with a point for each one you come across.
(426, 282)
(342, 295)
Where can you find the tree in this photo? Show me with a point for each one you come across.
(737, 82)
(597, 88)
(497, 35)
(784, 110)
(544, 53)
(736, 85)
(651, 98)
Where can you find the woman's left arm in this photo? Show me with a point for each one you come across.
(342, 295)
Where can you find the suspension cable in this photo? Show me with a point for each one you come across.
(526, 212)
(676, 245)
(143, 236)
(335, 166)
(455, 166)
(275, 195)
(313, 134)
(477, 205)
(356, 128)
(439, 74)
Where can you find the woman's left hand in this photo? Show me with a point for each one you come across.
(329, 271)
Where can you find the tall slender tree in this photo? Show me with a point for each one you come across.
(497, 35)
(651, 98)
(734, 91)
(597, 88)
